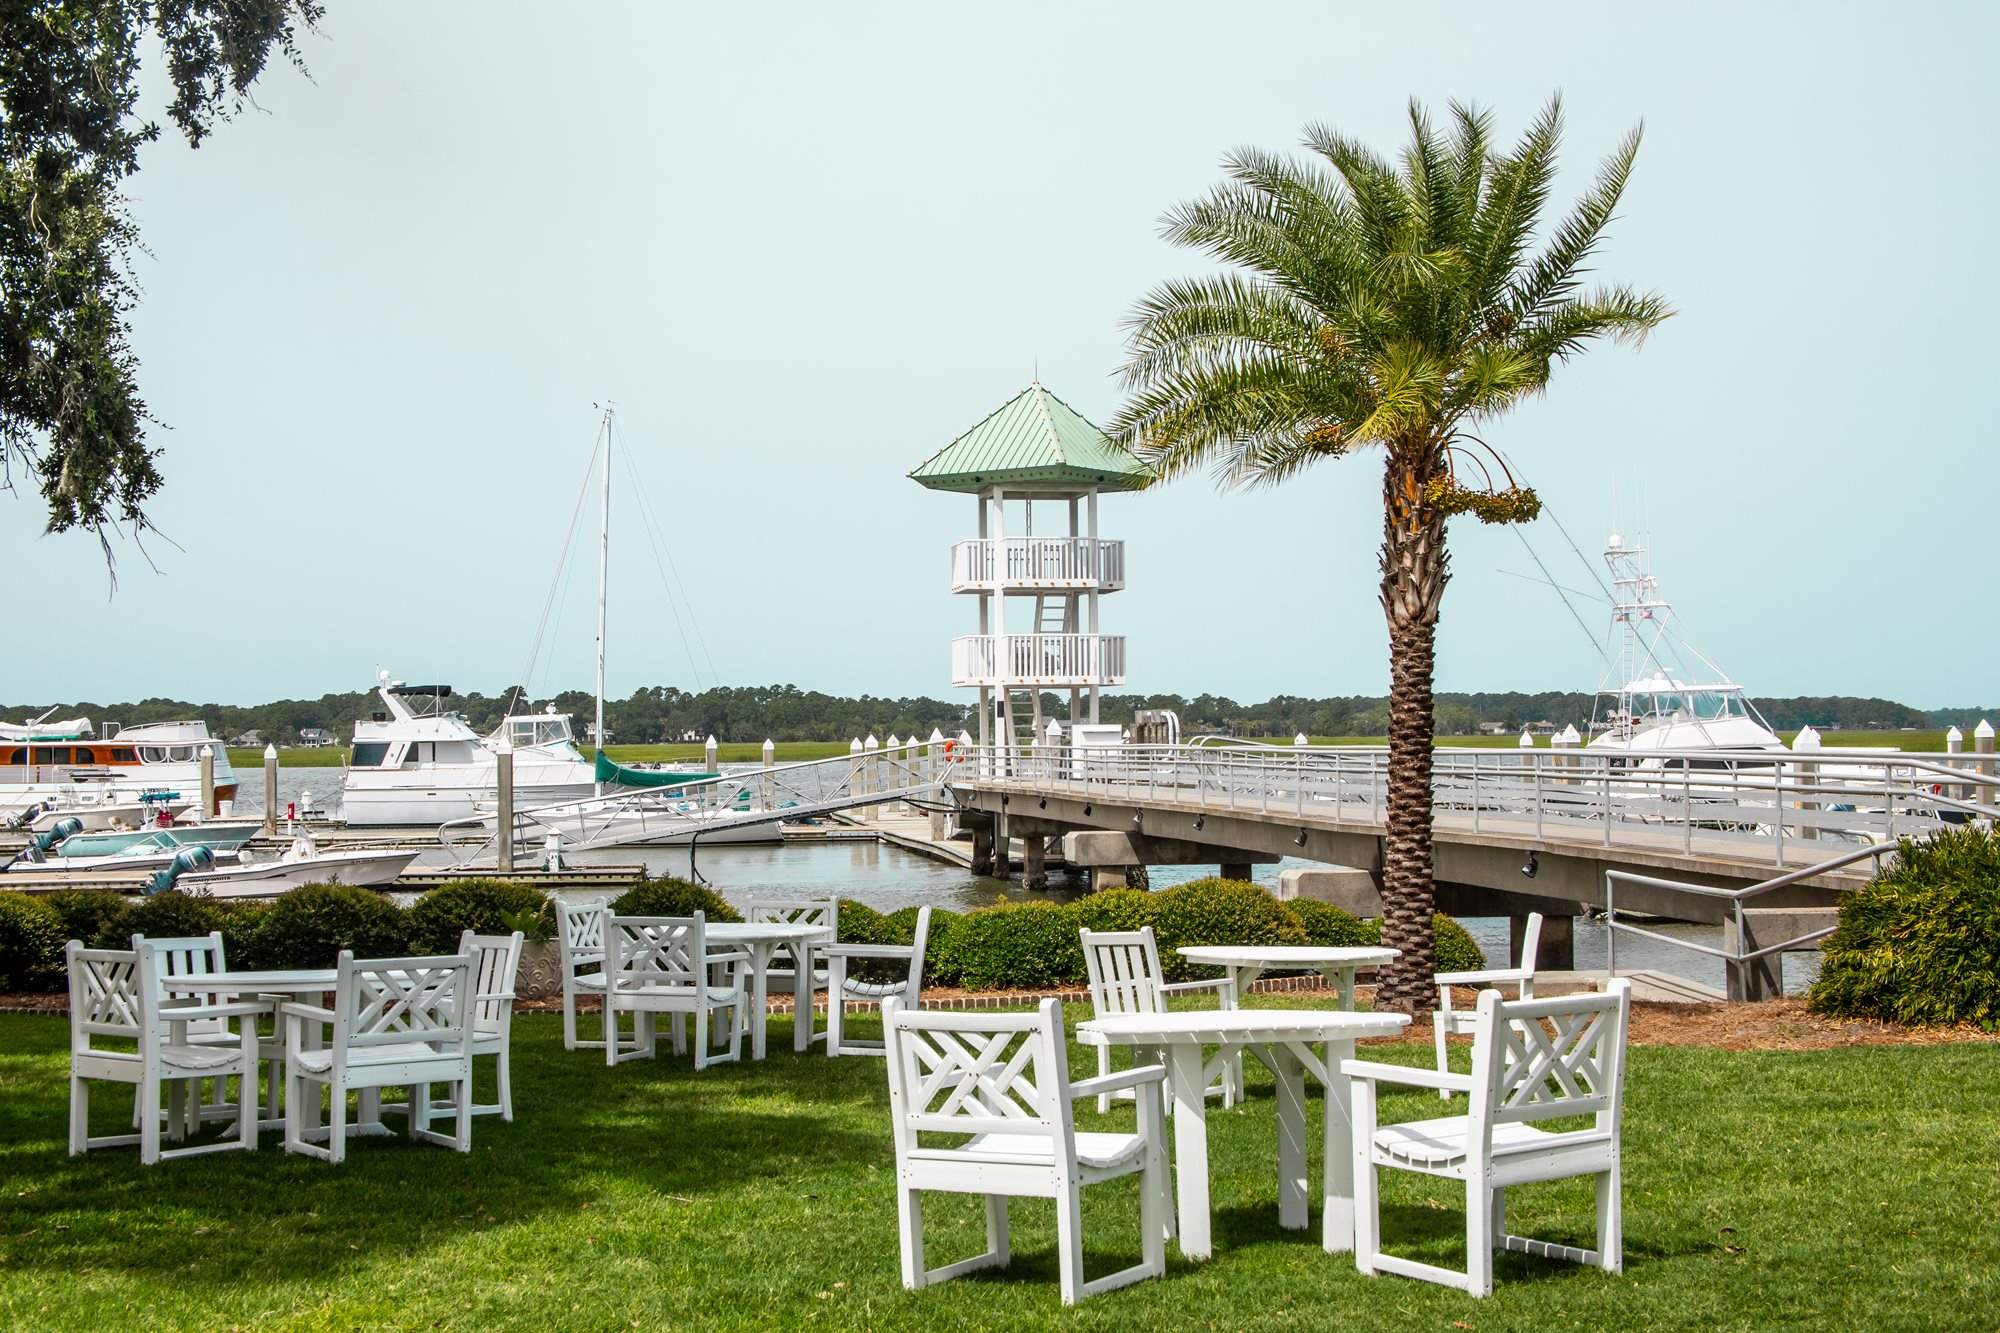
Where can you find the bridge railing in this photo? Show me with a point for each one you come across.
(1757, 804)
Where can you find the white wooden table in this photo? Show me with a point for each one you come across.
(761, 940)
(1291, 1043)
(1246, 962)
(291, 982)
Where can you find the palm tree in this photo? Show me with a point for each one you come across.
(1389, 306)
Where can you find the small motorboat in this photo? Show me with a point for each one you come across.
(65, 849)
(194, 871)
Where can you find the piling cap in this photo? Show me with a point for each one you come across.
(1527, 739)
(855, 746)
(1300, 739)
(937, 737)
(893, 742)
(1953, 736)
(710, 742)
(1569, 736)
(1807, 739)
(770, 744)
(1054, 727)
(1984, 731)
(964, 737)
(270, 751)
(871, 743)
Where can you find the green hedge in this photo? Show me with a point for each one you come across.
(1217, 911)
(1921, 943)
(672, 897)
(308, 927)
(485, 906)
(31, 943)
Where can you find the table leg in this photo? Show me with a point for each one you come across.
(760, 964)
(1184, 1072)
(1338, 1150)
(802, 998)
(1290, 1073)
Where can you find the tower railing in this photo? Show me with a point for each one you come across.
(1031, 660)
(1038, 562)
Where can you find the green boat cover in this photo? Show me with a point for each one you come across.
(611, 772)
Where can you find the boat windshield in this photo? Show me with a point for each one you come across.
(542, 729)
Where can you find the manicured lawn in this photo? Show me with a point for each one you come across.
(1840, 1188)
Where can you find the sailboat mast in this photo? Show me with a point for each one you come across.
(603, 577)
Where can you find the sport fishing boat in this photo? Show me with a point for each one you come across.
(65, 761)
(417, 763)
(65, 850)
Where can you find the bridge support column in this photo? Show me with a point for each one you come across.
(1235, 870)
(982, 851)
(1034, 863)
(1352, 891)
(1119, 877)
(1557, 952)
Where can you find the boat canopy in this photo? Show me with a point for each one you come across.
(611, 771)
(75, 728)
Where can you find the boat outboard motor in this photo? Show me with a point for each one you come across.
(187, 859)
(29, 815)
(39, 846)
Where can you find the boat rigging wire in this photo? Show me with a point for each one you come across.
(663, 562)
(556, 581)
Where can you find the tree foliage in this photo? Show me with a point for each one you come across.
(71, 416)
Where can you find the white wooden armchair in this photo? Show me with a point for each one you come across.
(1125, 978)
(580, 944)
(1450, 1022)
(1532, 1060)
(117, 996)
(495, 961)
(842, 988)
(395, 1022)
(202, 955)
(981, 1103)
(661, 965)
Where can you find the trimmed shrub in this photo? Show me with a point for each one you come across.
(308, 927)
(240, 924)
(1330, 928)
(672, 897)
(163, 916)
(1921, 943)
(1114, 909)
(1016, 945)
(901, 926)
(1457, 951)
(31, 943)
(486, 906)
(1218, 911)
(84, 913)
(862, 924)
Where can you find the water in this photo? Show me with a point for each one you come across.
(887, 878)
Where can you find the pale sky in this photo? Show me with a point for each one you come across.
(803, 246)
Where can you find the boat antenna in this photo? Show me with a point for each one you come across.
(1561, 591)
(603, 578)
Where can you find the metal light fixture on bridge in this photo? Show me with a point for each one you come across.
(1200, 820)
(1529, 866)
(1300, 841)
(1086, 811)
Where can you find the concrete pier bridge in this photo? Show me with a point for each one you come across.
(1762, 843)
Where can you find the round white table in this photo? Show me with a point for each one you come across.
(1246, 962)
(762, 940)
(1291, 1043)
(291, 982)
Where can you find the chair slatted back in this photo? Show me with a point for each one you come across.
(1124, 971)
(187, 956)
(106, 994)
(978, 1073)
(655, 951)
(392, 1001)
(495, 961)
(580, 933)
(1545, 1059)
(795, 912)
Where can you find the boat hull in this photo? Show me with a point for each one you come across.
(429, 806)
(368, 870)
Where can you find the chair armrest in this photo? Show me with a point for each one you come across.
(494, 995)
(732, 956)
(1480, 978)
(1376, 1072)
(1124, 1078)
(901, 952)
(182, 1013)
(1208, 983)
(307, 1011)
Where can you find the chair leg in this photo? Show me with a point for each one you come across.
(294, 1135)
(465, 1110)
(1611, 1220)
(1103, 1068)
(1156, 1204)
(79, 1114)
(1367, 1194)
(998, 1243)
(420, 1109)
(1496, 1226)
(336, 1126)
(701, 1034)
(246, 1099)
(506, 1078)
(910, 1230)
(1069, 1242)
(836, 1002)
(1478, 1237)
(149, 1126)
(611, 1033)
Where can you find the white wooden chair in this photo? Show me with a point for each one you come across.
(1125, 978)
(395, 1022)
(1532, 1060)
(661, 965)
(580, 943)
(202, 955)
(1450, 1022)
(981, 1103)
(117, 995)
(495, 961)
(841, 988)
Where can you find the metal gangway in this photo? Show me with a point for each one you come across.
(913, 772)
(1774, 807)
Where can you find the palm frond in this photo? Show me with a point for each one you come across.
(1557, 270)
(1514, 201)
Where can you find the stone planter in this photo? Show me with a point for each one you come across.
(540, 974)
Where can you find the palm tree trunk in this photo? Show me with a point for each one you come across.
(1413, 578)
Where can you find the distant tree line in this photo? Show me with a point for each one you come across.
(660, 713)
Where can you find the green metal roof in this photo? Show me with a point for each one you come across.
(1035, 438)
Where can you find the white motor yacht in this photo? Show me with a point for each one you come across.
(417, 763)
(64, 763)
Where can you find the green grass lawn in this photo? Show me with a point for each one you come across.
(1839, 1188)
